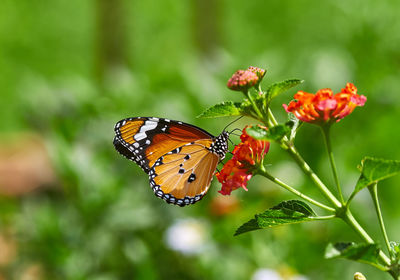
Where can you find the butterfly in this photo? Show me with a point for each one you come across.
(179, 158)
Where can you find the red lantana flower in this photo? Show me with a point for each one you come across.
(238, 170)
(324, 106)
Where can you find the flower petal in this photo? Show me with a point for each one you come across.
(324, 106)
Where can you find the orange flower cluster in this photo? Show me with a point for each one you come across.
(324, 106)
(242, 80)
(238, 170)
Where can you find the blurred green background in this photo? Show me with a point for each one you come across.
(72, 208)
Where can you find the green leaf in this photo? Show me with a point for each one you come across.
(246, 109)
(291, 206)
(374, 170)
(280, 87)
(223, 109)
(286, 212)
(275, 133)
(362, 252)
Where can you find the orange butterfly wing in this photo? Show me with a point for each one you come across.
(183, 177)
(144, 140)
(180, 158)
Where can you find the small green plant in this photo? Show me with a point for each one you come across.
(322, 109)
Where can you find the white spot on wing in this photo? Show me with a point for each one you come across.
(140, 136)
(148, 125)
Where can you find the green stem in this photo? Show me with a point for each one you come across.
(287, 146)
(329, 217)
(272, 118)
(327, 139)
(310, 173)
(256, 109)
(265, 173)
(352, 222)
(373, 189)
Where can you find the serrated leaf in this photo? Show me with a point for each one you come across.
(361, 252)
(290, 206)
(374, 170)
(224, 109)
(280, 87)
(275, 133)
(286, 212)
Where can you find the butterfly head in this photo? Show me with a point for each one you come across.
(220, 145)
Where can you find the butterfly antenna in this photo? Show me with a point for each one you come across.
(232, 122)
(236, 129)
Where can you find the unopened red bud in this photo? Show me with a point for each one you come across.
(242, 80)
(258, 71)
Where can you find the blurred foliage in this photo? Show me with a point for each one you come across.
(70, 69)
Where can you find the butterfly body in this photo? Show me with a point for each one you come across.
(179, 158)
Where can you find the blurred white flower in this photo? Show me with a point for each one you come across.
(188, 236)
(270, 274)
(266, 274)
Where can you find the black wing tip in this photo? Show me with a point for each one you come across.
(122, 122)
(123, 150)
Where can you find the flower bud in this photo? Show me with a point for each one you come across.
(258, 71)
(242, 80)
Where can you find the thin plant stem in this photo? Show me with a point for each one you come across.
(310, 173)
(328, 217)
(327, 139)
(352, 222)
(373, 189)
(271, 117)
(265, 173)
(256, 109)
(286, 145)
